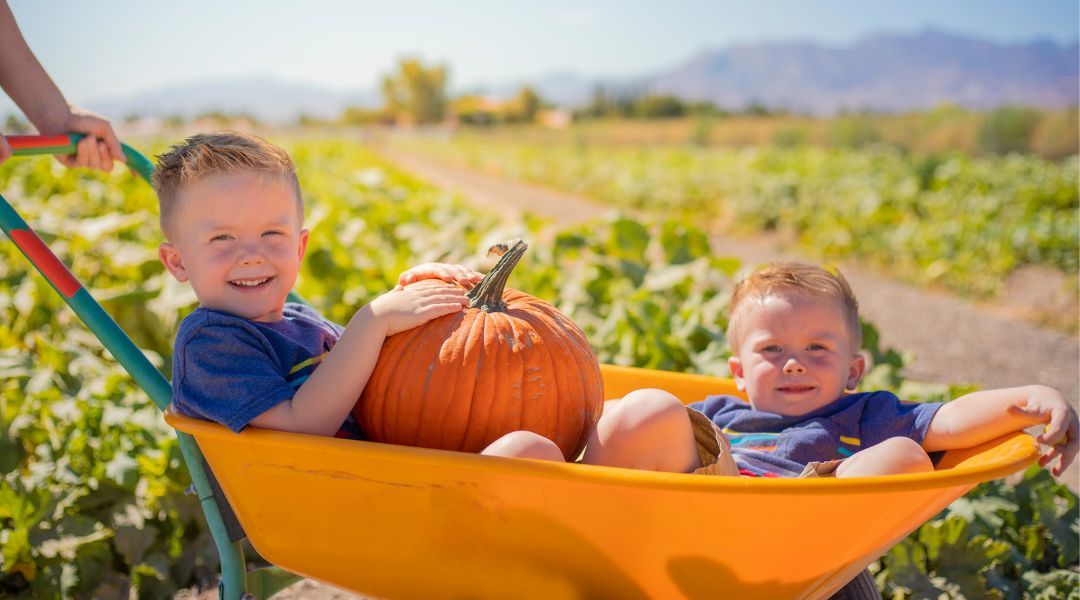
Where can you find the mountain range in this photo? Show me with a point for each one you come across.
(878, 72)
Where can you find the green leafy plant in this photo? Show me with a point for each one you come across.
(960, 222)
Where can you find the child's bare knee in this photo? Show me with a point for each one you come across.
(649, 406)
(524, 444)
(647, 429)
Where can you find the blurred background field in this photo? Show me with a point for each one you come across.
(945, 161)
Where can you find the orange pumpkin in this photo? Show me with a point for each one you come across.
(507, 362)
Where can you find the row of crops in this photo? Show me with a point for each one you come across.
(961, 222)
(91, 479)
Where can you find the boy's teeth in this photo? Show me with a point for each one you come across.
(251, 282)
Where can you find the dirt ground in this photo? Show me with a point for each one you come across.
(952, 340)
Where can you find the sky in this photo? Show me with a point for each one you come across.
(112, 48)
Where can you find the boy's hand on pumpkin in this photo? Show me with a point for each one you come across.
(1062, 431)
(462, 275)
(404, 308)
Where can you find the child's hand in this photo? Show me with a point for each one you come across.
(1061, 433)
(404, 308)
(459, 274)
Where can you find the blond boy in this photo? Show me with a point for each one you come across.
(795, 339)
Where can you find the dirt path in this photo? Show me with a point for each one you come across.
(952, 340)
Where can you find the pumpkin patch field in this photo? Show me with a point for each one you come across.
(949, 219)
(92, 501)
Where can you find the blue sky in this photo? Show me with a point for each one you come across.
(110, 48)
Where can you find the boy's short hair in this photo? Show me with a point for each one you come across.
(794, 278)
(206, 155)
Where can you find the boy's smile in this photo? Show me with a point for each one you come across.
(239, 242)
(796, 354)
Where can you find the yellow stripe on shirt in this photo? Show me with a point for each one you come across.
(311, 361)
(850, 440)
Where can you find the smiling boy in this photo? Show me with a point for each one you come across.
(796, 340)
(232, 215)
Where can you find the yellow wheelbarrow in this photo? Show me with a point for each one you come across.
(400, 522)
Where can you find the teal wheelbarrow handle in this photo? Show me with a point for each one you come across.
(64, 143)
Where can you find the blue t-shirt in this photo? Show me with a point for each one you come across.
(770, 445)
(230, 370)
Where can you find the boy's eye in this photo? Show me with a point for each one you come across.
(816, 347)
(771, 348)
(272, 233)
(223, 236)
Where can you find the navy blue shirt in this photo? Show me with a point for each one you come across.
(767, 444)
(230, 370)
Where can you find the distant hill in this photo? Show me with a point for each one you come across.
(880, 72)
(885, 72)
(262, 96)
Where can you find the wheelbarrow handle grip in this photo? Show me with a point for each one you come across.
(64, 143)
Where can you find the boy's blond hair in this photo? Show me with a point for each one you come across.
(789, 278)
(210, 154)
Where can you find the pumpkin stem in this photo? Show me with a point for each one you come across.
(487, 295)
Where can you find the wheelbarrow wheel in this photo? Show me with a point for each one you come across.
(863, 587)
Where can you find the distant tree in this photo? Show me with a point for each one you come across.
(599, 106)
(658, 107)
(525, 105)
(416, 92)
(473, 109)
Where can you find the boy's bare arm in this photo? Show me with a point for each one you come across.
(325, 399)
(982, 416)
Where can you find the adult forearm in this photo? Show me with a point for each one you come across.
(980, 417)
(24, 79)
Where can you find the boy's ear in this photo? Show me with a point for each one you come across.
(855, 371)
(735, 366)
(172, 260)
(303, 243)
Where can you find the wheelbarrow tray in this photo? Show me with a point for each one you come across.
(401, 522)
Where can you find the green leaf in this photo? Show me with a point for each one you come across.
(123, 470)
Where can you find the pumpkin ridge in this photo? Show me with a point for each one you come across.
(586, 354)
(569, 367)
(549, 389)
(404, 388)
(486, 399)
(500, 391)
(465, 433)
(430, 428)
(374, 417)
(439, 381)
(473, 328)
(555, 388)
(511, 404)
(426, 355)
